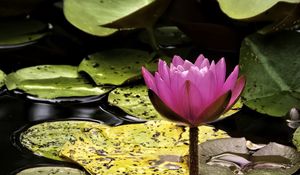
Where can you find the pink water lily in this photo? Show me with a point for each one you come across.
(193, 93)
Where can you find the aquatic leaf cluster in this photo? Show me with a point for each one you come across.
(154, 146)
(95, 48)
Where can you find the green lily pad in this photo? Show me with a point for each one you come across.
(53, 170)
(272, 69)
(52, 81)
(245, 9)
(47, 139)
(113, 14)
(134, 100)
(155, 147)
(2, 78)
(115, 66)
(17, 33)
(272, 159)
(296, 138)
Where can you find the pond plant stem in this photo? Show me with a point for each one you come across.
(193, 151)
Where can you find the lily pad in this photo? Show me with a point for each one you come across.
(248, 8)
(296, 138)
(272, 69)
(47, 139)
(134, 100)
(156, 147)
(115, 66)
(52, 81)
(272, 159)
(113, 14)
(2, 78)
(53, 170)
(18, 33)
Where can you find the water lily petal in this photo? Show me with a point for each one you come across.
(165, 110)
(187, 65)
(214, 110)
(199, 60)
(191, 101)
(177, 60)
(163, 91)
(231, 80)
(214, 90)
(149, 79)
(205, 63)
(220, 72)
(163, 71)
(206, 86)
(236, 92)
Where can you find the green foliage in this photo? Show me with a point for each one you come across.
(52, 81)
(17, 33)
(91, 15)
(271, 66)
(115, 66)
(245, 9)
(2, 78)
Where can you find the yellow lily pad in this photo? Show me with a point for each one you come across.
(155, 147)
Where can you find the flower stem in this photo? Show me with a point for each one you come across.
(193, 151)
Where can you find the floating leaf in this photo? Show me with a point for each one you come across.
(46, 139)
(237, 9)
(115, 66)
(2, 78)
(296, 138)
(113, 14)
(53, 170)
(17, 33)
(158, 147)
(134, 100)
(272, 159)
(52, 81)
(272, 69)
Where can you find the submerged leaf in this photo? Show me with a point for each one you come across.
(115, 66)
(272, 69)
(52, 81)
